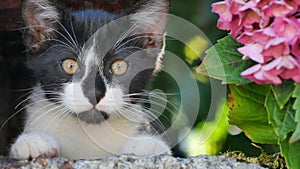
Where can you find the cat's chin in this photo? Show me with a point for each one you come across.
(93, 116)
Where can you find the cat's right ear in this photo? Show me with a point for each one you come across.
(41, 18)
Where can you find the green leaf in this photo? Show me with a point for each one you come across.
(296, 135)
(247, 111)
(283, 92)
(282, 120)
(296, 94)
(225, 63)
(291, 153)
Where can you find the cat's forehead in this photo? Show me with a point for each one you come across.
(86, 23)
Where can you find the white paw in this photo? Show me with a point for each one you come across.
(33, 145)
(146, 145)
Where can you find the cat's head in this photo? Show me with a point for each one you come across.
(92, 63)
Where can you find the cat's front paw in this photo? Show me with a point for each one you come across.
(146, 146)
(33, 145)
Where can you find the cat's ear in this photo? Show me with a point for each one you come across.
(151, 16)
(41, 21)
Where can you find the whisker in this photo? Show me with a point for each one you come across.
(75, 37)
(33, 121)
(58, 116)
(128, 49)
(130, 40)
(70, 45)
(64, 114)
(75, 45)
(143, 112)
(124, 35)
(34, 95)
(140, 100)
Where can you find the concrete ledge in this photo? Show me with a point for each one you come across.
(132, 162)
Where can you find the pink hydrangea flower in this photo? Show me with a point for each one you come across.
(270, 33)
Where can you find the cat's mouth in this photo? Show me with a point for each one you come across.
(93, 116)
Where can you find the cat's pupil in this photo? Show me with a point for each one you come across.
(71, 65)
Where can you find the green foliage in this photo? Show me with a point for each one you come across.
(266, 113)
(291, 153)
(296, 135)
(224, 62)
(282, 120)
(248, 113)
(283, 93)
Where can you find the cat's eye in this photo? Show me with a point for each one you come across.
(70, 66)
(119, 67)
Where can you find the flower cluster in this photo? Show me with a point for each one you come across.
(270, 33)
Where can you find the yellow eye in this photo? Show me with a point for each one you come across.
(70, 66)
(119, 67)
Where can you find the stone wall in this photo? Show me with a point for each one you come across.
(132, 162)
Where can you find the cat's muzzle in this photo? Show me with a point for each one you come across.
(93, 116)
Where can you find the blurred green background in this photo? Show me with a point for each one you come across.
(221, 137)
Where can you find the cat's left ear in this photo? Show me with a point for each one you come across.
(151, 17)
(41, 19)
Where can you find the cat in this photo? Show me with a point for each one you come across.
(91, 68)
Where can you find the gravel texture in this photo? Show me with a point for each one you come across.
(131, 162)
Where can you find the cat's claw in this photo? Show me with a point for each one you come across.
(35, 145)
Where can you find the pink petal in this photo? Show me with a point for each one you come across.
(235, 6)
(248, 5)
(251, 70)
(235, 26)
(272, 65)
(245, 38)
(297, 2)
(252, 51)
(277, 50)
(263, 36)
(288, 62)
(264, 3)
(279, 9)
(259, 76)
(222, 9)
(296, 78)
(296, 48)
(275, 41)
(249, 17)
(287, 28)
(270, 76)
(269, 32)
(291, 74)
(272, 79)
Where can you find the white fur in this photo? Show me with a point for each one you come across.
(152, 17)
(78, 140)
(46, 16)
(34, 145)
(113, 100)
(158, 63)
(74, 99)
(89, 58)
(47, 10)
(145, 145)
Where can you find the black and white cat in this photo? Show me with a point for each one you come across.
(90, 79)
